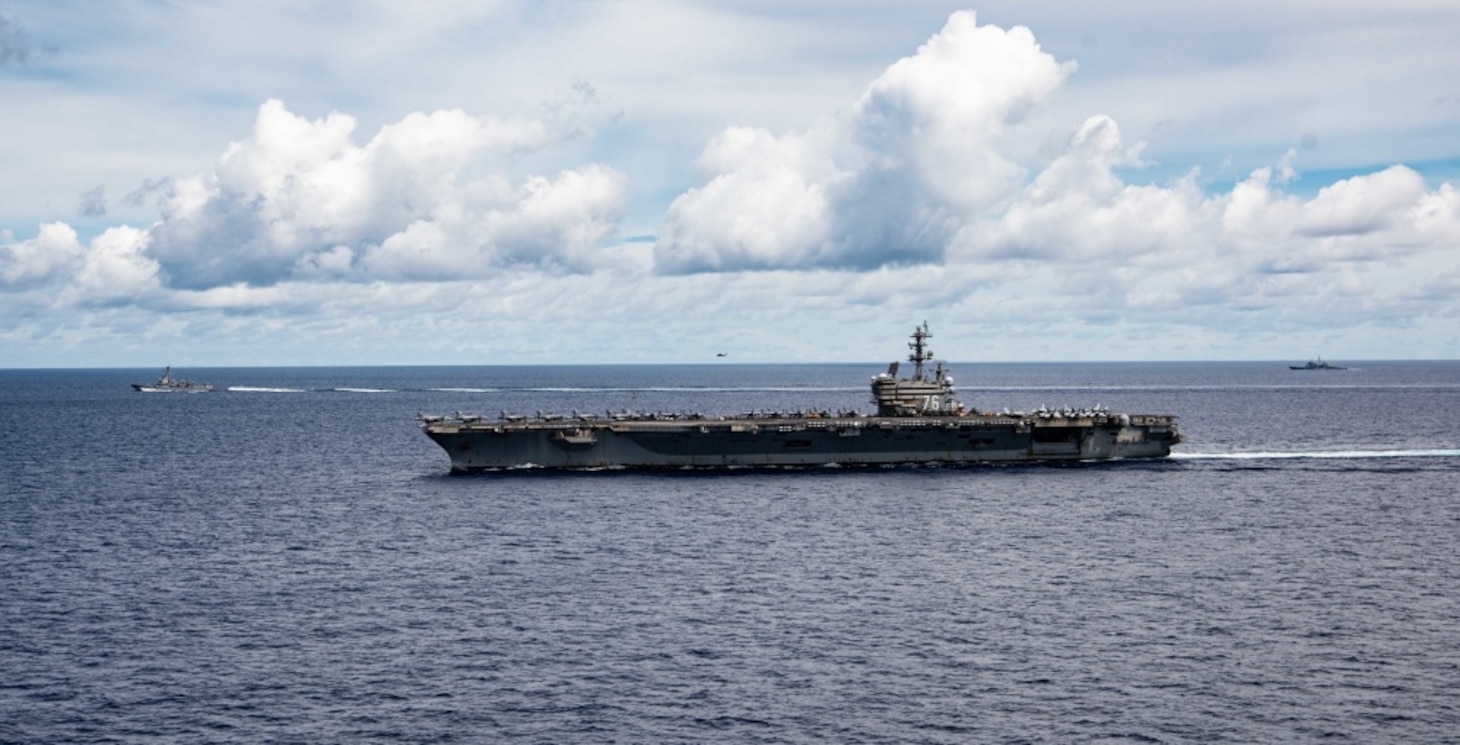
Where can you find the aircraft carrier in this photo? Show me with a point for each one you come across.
(917, 421)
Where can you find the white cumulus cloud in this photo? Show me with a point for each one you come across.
(889, 184)
(766, 207)
(54, 251)
(299, 198)
(940, 187)
(55, 269)
(117, 267)
(1360, 250)
(922, 181)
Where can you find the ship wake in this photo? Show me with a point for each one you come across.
(1321, 454)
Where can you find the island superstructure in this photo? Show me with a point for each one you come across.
(917, 421)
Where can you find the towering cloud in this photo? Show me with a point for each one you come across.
(890, 184)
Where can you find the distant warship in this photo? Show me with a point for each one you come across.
(169, 384)
(1316, 364)
(917, 421)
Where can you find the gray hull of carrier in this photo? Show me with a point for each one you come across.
(917, 422)
(732, 443)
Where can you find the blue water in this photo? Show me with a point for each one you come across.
(289, 561)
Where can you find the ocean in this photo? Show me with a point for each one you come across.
(290, 560)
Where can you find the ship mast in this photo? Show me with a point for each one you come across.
(920, 351)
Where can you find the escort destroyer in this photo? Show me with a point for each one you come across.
(169, 384)
(917, 421)
(1316, 364)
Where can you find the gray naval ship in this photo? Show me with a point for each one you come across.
(169, 384)
(917, 421)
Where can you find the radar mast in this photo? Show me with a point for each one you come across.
(920, 351)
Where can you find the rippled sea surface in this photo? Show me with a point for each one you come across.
(288, 560)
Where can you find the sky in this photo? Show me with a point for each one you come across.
(312, 182)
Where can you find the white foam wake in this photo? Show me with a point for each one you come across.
(695, 389)
(254, 389)
(1329, 454)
